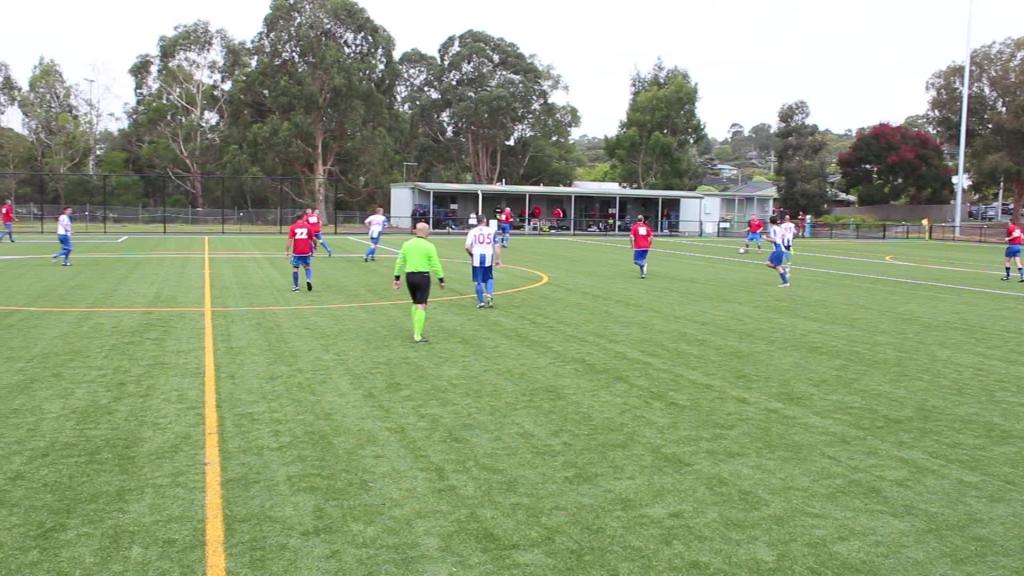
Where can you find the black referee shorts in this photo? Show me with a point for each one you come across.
(419, 286)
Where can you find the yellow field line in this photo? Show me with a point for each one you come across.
(216, 563)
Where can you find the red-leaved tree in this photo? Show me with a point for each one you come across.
(896, 164)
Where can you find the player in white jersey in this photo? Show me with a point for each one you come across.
(485, 254)
(64, 236)
(788, 233)
(376, 222)
(777, 260)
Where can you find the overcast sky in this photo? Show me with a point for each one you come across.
(856, 62)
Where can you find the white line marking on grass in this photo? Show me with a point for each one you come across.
(822, 270)
(886, 260)
(77, 240)
(368, 243)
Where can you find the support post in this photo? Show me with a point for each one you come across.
(529, 215)
(615, 223)
(572, 215)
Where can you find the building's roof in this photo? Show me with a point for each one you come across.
(749, 190)
(612, 190)
(717, 181)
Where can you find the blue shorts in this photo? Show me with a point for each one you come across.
(65, 241)
(303, 261)
(8, 226)
(754, 237)
(506, 228)
(319, 236)
(640, 256)
(1013, 250)
(777, 257)
(482, 274)
(375, 239)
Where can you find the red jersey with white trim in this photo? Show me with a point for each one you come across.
(642, 235)
(505, 217)
(8, 213)
(1014, 234)
(302, 239)
(314, 223)
(755, 225)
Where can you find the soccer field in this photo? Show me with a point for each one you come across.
(865, 421)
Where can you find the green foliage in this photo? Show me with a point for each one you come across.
(180, 95)
(801, 160)
(16, 152)
(655, 147)
(55, 120)
(706, 188)
(592, 149)
(426, 139)
(995, 136)
(724, 153)
(320, 98)
(890, 164)
(494, 94)
(545, 154)
(602, 172)
(10, 91)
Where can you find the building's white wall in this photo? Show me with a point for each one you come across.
(400, 213)
(711, 214)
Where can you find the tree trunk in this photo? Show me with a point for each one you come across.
(319, 173)
(197, 189)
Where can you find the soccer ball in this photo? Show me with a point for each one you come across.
(742, 250)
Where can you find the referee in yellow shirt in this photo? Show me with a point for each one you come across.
(417, 259)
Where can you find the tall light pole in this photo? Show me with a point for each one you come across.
(963, 126)
(406, 165)
(92, 128)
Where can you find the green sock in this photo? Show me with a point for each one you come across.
(413, 316)
(419, 320)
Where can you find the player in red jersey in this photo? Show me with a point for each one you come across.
(505, 225)
(754, 227)
(301, 243)
(316, 226)
(1014, 237)
(641, 236)
(7, 214)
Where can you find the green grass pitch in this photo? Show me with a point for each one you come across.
(867, 420)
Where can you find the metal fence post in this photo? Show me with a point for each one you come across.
(280, 205)
(884, 229)
(163, 204)
(42, 203)
(106, 183)
(335, 210)
(222, 222)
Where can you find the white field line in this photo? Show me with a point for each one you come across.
(838, 257)
(822, 270)
(368, 243)
(76, 240)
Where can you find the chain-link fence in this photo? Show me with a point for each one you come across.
(153, 203)
(160, 204)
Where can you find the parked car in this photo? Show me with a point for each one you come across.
(1007, 208)
(983, 212)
